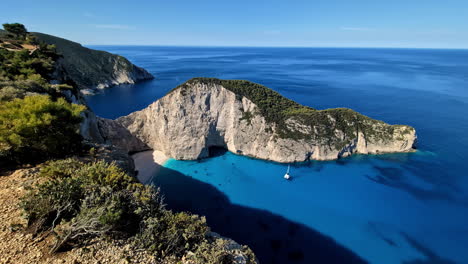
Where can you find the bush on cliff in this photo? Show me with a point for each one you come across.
(37, 128)
(26, 65)
(172, 234)
(220, 251)
(80, 201)
(16, 29)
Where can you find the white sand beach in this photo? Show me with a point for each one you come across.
(148, 164)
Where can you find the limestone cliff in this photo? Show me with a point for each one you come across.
(252, 120)
(92, 69)
(114, 133)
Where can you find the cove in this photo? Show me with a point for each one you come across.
(398, 208)
(356, 210)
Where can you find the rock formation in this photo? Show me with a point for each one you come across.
(88, 70)
(252, 120)
(119, 136)
(92, 69)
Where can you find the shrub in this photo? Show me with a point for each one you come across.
(69, 180)
(51, 202)
(18, 30)
(105, 174)
(60, 169)
(80, 201)
(217, 250)
(172, 234)
(211, 253)
(37, 128)
(102, 212)
(23, 65)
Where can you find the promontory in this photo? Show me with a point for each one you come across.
(250, 119)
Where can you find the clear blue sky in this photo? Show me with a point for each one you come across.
(336, 23)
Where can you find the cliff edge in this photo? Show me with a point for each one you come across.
(253, 120)
(92, 69)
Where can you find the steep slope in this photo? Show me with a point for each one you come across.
(93, 69)
(253, 120)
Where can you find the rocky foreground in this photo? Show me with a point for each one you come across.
(19, 246)
(252, 120)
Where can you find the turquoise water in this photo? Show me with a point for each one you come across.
(396, 208)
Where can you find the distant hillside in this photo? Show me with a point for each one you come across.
(94, 69)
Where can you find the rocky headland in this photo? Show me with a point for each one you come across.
(250, 119)
(91, 69)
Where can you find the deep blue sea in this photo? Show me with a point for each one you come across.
(396, 208)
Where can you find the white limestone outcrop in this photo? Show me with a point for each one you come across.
(184, 124)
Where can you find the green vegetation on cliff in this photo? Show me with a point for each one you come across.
(81, 201)
(88, 68)
(26, 65)
(37, 128)
(83, 198)
(318, 125)
(36, 123)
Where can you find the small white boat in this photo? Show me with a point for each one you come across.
(287, 176)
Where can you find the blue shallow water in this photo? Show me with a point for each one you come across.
(396, 208)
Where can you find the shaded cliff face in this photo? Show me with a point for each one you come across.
(114, 133)
(92, 69)
(252, 120)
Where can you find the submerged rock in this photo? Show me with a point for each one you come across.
(253, 120)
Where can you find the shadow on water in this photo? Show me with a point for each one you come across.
(394, 177)
(273, 238)
(430, 256)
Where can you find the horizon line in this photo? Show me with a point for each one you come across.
(235, 46)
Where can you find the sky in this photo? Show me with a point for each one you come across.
(303, 23)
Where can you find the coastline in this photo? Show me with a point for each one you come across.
(148, 163)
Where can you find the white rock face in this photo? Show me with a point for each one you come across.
(184, 125)
(121, 75)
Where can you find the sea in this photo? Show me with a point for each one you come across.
(407, 208)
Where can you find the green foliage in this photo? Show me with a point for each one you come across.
(103, 212)
(106, 174)
(38, 128)
(92, 199)
(218, 251)
(10, 90)
(172, 234)
(211, 253)
(61, 169)
(18, 30)
(26, 65)
(247, 116)
(98, 173)
(80, 201)
(52, 201)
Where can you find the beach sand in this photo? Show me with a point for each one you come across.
(148, 164)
